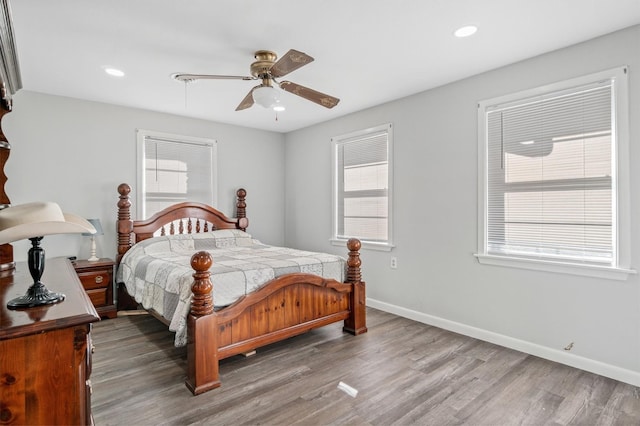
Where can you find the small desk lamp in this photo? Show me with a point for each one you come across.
(98, 227)
(34, 221)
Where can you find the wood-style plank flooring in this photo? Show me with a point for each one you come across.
(405, 372)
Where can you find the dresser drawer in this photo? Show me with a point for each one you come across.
(96, 279)
(98, 297)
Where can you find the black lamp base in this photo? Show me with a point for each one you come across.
(37, 294)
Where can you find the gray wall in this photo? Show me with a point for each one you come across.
(438, 279)
(76, 153)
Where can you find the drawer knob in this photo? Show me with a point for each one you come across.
(7, 379)
(6, 416)
(99, 279)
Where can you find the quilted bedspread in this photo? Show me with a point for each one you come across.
(157, 272)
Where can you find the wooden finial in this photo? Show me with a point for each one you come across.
(125, 224)
(202, 289)
(241, 209)
(354, 262)
(5, 99)
(241, 205)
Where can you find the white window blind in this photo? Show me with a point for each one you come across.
(552, 189)
(362, 185)
(175, 169)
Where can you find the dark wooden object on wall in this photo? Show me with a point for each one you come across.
(10, 83)
(286, 306)
(5, 149)
(45, 352)
(6, 250)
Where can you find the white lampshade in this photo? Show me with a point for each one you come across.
(265, 96)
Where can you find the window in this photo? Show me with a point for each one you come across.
(362, 163)
(174, 169)
(554, 177)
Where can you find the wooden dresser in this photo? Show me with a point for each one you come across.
(45, 352)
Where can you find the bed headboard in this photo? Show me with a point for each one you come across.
(182, 218)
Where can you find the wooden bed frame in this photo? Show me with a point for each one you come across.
(286, 306)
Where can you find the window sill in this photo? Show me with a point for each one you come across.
(365, 244)
(559, 267)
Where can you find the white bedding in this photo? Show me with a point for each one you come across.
(157, 272)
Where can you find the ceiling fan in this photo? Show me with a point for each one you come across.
(267, 69)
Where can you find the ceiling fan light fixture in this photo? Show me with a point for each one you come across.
(266, 96)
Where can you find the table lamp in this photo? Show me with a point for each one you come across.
(98, 227)
(33, 221)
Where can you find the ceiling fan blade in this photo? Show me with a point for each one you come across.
(192, 77)
(291, 61)
(247, 102)
(310, 94)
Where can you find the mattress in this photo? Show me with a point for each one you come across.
(157, 272)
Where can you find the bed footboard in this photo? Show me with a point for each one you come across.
(290, 305)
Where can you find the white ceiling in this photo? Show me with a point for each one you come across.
(366, 52)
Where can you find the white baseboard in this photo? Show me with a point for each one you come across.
(563, 357)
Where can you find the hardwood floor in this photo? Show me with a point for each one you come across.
(405, 373)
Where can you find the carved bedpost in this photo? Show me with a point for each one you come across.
(125, 224)
(202, 331)
(241, 209)
(353, 263)
(202, 289)
(6, 250)
(357, 321)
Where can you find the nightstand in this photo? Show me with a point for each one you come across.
(97, 280)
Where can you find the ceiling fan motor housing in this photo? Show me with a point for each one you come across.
(264, 61)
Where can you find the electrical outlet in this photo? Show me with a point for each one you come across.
(394, 263)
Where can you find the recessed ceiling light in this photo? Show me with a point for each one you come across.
(114, 72)
(466, 31)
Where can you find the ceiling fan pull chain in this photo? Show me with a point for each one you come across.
(185, 94)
